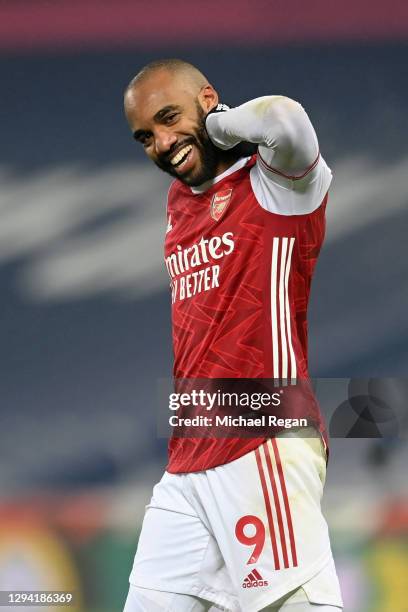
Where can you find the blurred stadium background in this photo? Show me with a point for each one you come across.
(85, 327)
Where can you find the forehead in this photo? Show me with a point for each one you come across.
(154, 92)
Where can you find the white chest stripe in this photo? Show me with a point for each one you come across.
(282, 348)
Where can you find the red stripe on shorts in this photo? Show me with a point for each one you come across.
(268, 508)
(277, 504)
(286, 501)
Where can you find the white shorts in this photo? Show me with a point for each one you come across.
(244, 534)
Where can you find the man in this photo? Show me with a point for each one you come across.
(235, 523)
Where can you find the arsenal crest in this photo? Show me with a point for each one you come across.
(219, 203)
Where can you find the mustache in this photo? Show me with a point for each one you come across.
(165, 158)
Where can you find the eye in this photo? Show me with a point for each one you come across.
(171, 118)
(144, 140)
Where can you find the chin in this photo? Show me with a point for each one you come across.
(193, 181)
(194, 178)
(198, 177)
(204, 170)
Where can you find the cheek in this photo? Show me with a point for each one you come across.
(150, 153)
(151, 150)
(189, 127)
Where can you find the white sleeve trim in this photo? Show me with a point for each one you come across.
(285, 195)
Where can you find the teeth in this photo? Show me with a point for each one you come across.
(179, 156)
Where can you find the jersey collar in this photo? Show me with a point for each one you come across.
(204, 186)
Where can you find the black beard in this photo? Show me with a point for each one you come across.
(210, 155)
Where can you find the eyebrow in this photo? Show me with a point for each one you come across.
(157, 117)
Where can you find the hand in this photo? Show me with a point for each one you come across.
(241, 149)
(220, 108)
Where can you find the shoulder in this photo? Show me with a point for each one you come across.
(290, 195)
(175, 191)
(175, 188)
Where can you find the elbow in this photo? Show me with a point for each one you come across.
(282, 120)
(290, 131)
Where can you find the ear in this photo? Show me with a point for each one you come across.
(208, 98)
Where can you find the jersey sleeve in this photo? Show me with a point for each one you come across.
(290, 176)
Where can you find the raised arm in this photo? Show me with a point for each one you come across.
(280, 126)
(288, 152)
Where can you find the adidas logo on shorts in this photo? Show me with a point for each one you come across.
(254, 579)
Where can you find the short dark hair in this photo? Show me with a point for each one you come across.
(172, 64)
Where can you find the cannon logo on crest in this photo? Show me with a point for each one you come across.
(219, 203)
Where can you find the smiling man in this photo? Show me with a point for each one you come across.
(186, 152)
(235, 524)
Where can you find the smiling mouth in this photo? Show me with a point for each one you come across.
(179, 158)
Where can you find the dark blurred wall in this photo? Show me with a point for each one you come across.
(85, 325)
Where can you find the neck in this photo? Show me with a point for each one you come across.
(239, 163)
(226, 162)
(228, 158)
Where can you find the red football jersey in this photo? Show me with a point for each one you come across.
(240, 279)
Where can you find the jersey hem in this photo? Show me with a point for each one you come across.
(176, 467)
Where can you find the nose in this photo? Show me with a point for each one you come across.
(164, 140)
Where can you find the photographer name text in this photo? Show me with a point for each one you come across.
(238, 421)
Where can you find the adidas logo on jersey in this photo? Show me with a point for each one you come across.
(254, 579)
